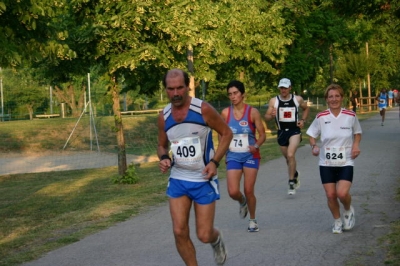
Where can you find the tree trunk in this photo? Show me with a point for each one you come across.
(30, 111)
(368, 80)
(191, 70)
(331, 63)
(360, 94)
(122, 167)
(68, 96)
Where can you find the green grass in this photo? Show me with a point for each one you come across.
(392, 242)
(41, 212)
(42, 135)
(44, 211)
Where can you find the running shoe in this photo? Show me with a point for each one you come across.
(253, 226)
(349, 219)
(382, 124)
(292, 189)
(243, 209)
(296, 180)
(219, 251)
(337, 227)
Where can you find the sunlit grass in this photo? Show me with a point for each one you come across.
(43, 211)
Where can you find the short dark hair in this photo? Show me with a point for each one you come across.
(236, 83)
(185, 76)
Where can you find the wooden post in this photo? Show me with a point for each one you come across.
(368, 81)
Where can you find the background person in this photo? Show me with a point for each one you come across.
(243, 156)
(390, 97)
(397, 99)
(354, 101)
(382, 104)
(186, 126)
(340, 133)
(284, 108)
(395, 96)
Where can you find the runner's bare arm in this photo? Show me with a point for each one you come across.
(162, 147)
(215, 122)
(256, 118)
(271, 111)
(355, 150)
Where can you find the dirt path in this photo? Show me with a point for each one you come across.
(16, 163)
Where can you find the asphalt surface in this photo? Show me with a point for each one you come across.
(294, 230)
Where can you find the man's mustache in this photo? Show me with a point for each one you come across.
(177, 98)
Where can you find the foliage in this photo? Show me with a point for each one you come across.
(23, 88)
(320, 32)
(28, 32)
(130, 176)
(133, 43)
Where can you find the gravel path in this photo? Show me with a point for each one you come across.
(13, 163)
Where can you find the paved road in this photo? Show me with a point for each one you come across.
(294, 230)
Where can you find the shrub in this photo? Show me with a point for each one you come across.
(130, 176)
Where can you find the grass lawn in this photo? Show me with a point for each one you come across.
(44, 211)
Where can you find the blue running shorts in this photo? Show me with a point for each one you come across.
(200, 192)
(251, 163)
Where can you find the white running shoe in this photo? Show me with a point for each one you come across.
(253, 226)
(349, 219)
(243, 209)
(337, 227)
(292, 189)
(219, 251)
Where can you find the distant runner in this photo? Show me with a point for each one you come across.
(284, 108)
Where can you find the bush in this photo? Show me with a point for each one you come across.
(130, 176)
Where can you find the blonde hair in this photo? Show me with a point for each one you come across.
(333, 87)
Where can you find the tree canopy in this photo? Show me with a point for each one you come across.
(257, 41)
(129, 44)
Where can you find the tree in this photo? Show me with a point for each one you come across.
(27, 32)
(321, 33)
(24, 90)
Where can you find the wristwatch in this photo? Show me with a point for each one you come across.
(215, 162)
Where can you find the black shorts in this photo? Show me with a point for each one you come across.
(285, 134)
(332, 174)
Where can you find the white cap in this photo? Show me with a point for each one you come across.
(284, 83)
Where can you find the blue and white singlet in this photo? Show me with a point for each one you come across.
(382, 100)
(191, 143)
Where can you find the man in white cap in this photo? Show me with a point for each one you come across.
(285, 109)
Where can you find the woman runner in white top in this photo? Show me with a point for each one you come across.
(340, 133)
